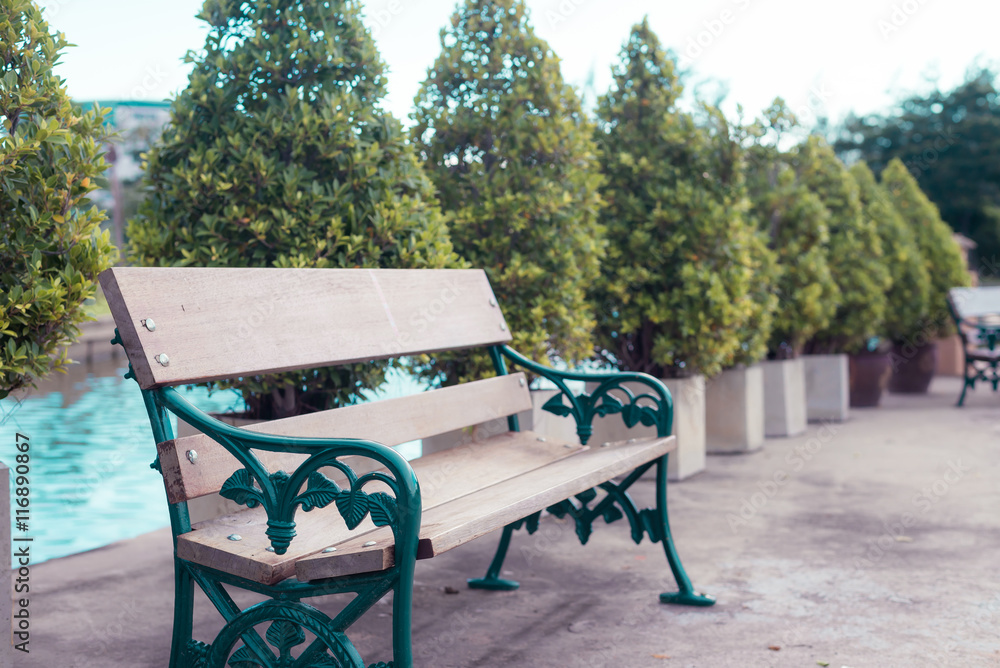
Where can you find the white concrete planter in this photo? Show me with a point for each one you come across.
(828, 387)
(784, 397)
(689, 425)
(734, 410)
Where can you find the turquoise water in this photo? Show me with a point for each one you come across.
(90, 448)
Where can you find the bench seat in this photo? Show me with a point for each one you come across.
(466, 493)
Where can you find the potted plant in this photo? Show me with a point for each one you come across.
(51, 247)
(796, 223)
(856, 263)
(734, 400)
(907, 298)
(506, 143)
(252, 171)
(674, 290)
(914, 354)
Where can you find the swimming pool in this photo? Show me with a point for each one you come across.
(90, 448)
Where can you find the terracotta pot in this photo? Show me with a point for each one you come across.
(869, 374)
(913, 368)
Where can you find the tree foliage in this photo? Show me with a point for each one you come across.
(674, 297)
(504, 139)
(948, 140)
(278, 154)
(795, 222)
(854, 251)
(942, 256)
(907, 300)
(51, 244)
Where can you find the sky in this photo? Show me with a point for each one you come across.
(825, 58)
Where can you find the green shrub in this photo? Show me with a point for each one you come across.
(674, 297)
(795, 222)
(505, 141)
(278, 154)
(51, 244)
(941, 254)
(907, 300)
(854, 252)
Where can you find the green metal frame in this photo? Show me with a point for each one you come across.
(977, 367)
(656, 410)
(278, 493)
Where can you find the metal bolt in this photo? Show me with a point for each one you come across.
(632, 440)
(503, 327)
(493, 302)
(521, 382)
(235, 537)
(149, 324)
(605, 445)
(192, 456)
(567, 445)
(369, 543)
(541, 438)
(162, 359)
(330, 549)
(269, 549)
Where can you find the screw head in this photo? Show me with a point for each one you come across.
(235, 537)
(503, 327)
(192, 456)
(521, 382)
(369, 543)
(541, 438)
(330, 549)
(493, 302)
(269, 549)
(163, 359)
(149, 324)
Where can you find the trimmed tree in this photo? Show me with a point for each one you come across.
(674, 292)
(907, 300)
(854, 252)
(278, 154)
(942, 256)
(795, 222)
(504, 139)
(51, 244)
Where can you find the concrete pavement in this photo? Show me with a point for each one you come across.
(869, 543)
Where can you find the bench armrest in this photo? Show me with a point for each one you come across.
(653, 409)
(281, 494)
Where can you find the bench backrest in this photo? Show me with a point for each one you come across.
(187, 325)
(975, 302)
(223, 323)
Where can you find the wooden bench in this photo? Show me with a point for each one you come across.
(976, 312)
(367, 514)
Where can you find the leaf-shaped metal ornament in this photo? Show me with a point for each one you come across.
(383, 509)
(240, 488)
(285, 635)
(609, 406)
(320, 492)
(556, 406)
(353, 507)
(631, 415)
(243, 658)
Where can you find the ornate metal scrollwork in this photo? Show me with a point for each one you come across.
(353, 502)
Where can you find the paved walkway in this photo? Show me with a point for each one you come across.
(878, 546)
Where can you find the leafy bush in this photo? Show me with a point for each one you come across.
(505, 141)
(795, 222)
(674, 297)
(278, 154)
(941, 254)
(907, 299)
(854, 252)
(51, 244)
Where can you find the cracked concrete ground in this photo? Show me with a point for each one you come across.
(868, 543)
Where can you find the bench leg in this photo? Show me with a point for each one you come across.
(686, 595)
(493, 581)
(183, 616)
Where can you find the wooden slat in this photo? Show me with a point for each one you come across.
(390, 422)
(976, 302)
(451, 524)
(216, 323)
(444, 476)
